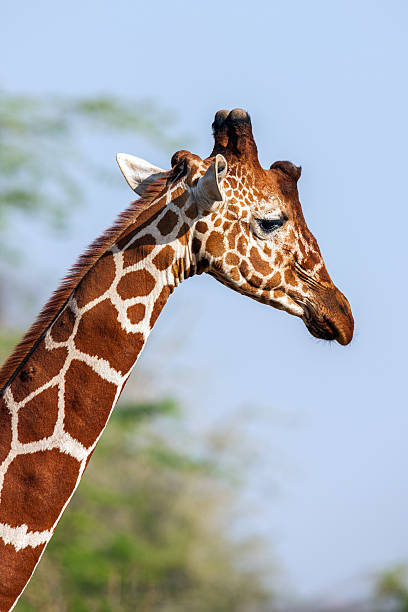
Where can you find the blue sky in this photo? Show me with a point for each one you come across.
(325, 84)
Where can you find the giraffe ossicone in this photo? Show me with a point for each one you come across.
(224, 215)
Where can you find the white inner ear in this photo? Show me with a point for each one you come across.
(209, 191)
(138, 173)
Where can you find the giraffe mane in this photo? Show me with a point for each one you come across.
(71, 280)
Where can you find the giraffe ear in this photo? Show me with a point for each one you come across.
(210, 193)
(138, 173)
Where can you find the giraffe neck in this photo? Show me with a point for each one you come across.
(56, 407)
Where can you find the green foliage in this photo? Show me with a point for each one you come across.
(143, 532)
(43, 161)
(391, 591)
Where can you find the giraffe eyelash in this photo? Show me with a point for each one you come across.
(268, 226)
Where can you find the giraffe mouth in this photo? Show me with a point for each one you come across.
(332, 321)
(326, 312)
(322, 329)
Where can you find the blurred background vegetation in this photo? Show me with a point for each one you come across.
(145, 530)
(148, 527)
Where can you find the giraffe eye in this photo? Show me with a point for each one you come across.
(269, 225)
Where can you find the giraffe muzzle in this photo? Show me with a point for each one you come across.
(330, 317)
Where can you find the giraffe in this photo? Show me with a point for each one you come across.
(224, 215)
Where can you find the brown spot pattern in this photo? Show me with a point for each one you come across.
(215, 244)
(5, 430)
(182, 234)
(201, 227)
(232, 236)
(100, 334)
(15, 568)
(259, 264)
(196, 245)
(96, 281)
(159, 303)
(192, 211)
(63, 326)
(278, 259)
(37, 418)
(242, 244)
(256, 281)
(235, 275)
(164, 258)
(43, 365)
(244, 268)
(133, 284)
(180, 200)
(290, 277)
(167, 224)
(232, 259)
(136, 313)
(36, 487)
(247, 288)
(311, 261)
(90, 400)
(272, 282)
(138, 250)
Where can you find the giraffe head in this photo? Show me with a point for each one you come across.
(250, 232)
